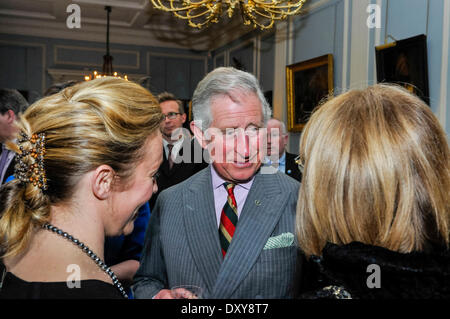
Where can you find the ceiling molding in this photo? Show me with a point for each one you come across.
(58, 30)
(116, 3)
(27, 14)
(137, 24)
(63, 75)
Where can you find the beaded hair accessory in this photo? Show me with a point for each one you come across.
(30, 162)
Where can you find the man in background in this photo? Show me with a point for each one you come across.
(277, 157)
(11, 104)
(179, 162)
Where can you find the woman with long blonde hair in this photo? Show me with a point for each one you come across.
(375, 191)
(85, 163)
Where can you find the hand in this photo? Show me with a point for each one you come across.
(182, 293)
(164, 294)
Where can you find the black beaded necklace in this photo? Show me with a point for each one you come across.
(91, 254)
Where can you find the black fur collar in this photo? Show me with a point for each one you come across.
(413, 275)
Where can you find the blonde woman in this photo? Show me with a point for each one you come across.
(85, 163)
(373, 209)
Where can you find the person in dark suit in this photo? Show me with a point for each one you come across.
(228, 229)
(277, 158)
(182, 156)
(11, 104)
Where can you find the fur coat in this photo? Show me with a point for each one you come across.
(348, 271)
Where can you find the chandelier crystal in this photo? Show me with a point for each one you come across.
(260, 13)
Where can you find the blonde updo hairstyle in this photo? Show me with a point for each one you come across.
(376, 170)
(104, 121)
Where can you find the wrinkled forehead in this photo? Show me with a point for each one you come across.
(236, 111)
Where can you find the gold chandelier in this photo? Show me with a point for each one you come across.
(260, 13)
(107, 58)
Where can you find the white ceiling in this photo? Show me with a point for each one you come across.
(132, 22)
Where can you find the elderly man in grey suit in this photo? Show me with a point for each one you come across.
(228, 229)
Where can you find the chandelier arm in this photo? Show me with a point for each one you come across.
(212, 11)
(277, 3)
(277, 14)
(254, 17)
(252, 11)
(212, 17)
(189, 16)
(261, 25)
(285, 9)
(158, 4)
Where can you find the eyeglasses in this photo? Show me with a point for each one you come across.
(170, 115)
(299, 163)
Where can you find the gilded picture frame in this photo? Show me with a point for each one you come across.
(307, 83)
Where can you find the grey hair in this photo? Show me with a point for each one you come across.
(11, 99)
(224, 81)
(282, 125)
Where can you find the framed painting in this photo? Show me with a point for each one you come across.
(405, 62)
(307, 83)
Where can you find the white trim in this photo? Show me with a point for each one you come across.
(359, 51)
(26, 14)
(100, 50)
(88, 32)
(345, 44)
(290, 41)
(442, 110)
(257, 63)
(62, 75)
(257, 58)
(377, 41)
(279, 78)
(227, 57)
(115, 3)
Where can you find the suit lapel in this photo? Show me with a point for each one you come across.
(258, 218)
(164, 168)
(201, 227)
(179, 161)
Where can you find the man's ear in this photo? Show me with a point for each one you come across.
(286, 138)
(102, 181)
(198, 133)
(11, 116)
(183, 117)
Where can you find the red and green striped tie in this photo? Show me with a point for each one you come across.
(228, 219)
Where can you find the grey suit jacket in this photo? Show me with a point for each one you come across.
(182, 242)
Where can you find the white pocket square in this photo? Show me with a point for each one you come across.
(280, 241)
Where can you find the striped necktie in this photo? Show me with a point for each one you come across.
(228, 219)
(169, 157)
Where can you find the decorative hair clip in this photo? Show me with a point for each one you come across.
(29, 166)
